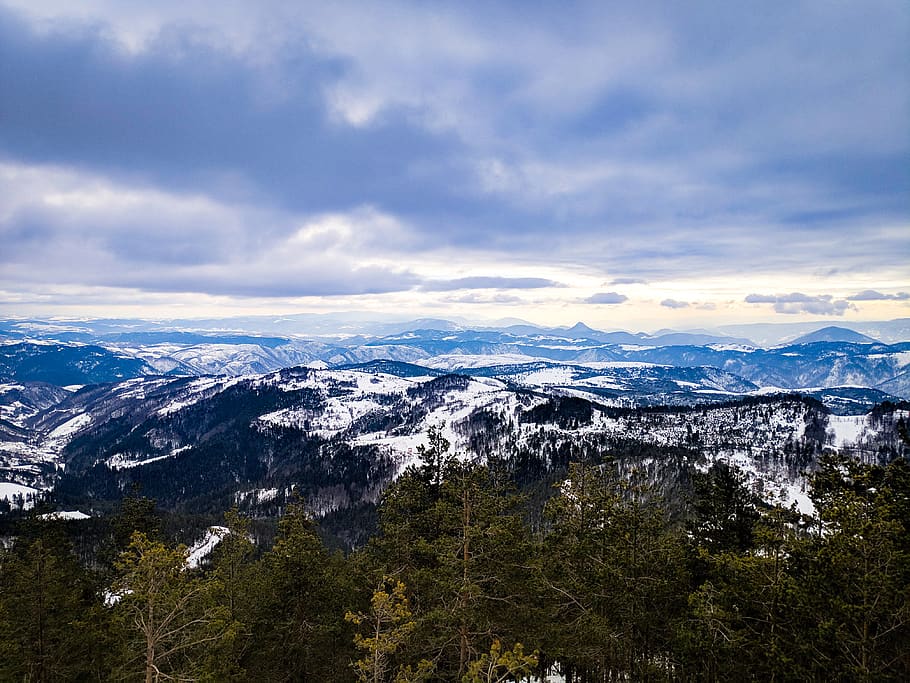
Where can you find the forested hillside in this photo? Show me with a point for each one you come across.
(461, 583)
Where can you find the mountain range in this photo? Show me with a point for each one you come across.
(205, 420)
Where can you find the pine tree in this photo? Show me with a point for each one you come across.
(234, 589)
(46, 602)
(861, 559)
(452, 532)
(299, 632)
(614, 574)
(725, 510)
(167, 610)
(500, 665)
(388, 625)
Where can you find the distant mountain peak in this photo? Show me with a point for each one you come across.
(581, 328)
(833, 333)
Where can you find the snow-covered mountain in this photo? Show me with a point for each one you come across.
(340, 435)
(800, 366)
(215, 418)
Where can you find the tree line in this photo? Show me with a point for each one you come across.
(458, 585)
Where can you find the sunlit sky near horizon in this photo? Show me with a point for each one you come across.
(631, 165)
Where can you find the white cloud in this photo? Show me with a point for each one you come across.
(797, 302)
(873, 295)
(67, 228)
(609, 298)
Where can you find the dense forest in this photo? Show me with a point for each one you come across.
(473, 576)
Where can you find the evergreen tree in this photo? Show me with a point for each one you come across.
(861, 567)
(725, 511)
(615, 577)
(746, 621)
(387, 626)
(166, 609)
(299, 632)
(233, 588)
(46, 611)
(453, 533)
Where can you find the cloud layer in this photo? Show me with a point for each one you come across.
(279, 151)
(792, 304)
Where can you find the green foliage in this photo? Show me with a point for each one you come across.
(452, 531)
(387, 625)
(833, 601)
(500, 665)
(458, 586)
(302, 593)
(745, 616)
(167, 612)
(725, 511)
(861, 557)
(46, 608)
(614, 575)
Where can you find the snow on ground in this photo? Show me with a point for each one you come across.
(770, 389)
(609, 364)
(65, 515)
(196, 391)
(334, 416)
(122, 461)
(338, 413)
(770, 487)
(569, 347)
(454, 361)
(15, 412)
(847, 429)
(256, 496)
(70, 427)
(132, 388)
(204, 547)
(547, 377)
(9, 490)
(601, 382)
(457, 405)
(744, 348)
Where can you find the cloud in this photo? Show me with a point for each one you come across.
(673, 303)
(63, 229)
(872, 295)
(498, 299)
(797, 302)
(188, 114)
(487, 282)
(607, 138)
(606, 298)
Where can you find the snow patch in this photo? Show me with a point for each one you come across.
(64, 515)
(10, 491)
(204, 547)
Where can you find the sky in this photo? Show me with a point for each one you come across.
(631, 165)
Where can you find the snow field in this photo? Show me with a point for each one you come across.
(9, 490)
